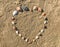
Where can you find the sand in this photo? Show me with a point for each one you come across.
(29, 23)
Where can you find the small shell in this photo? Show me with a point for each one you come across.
(45, 22)
(36, 37)
(26, 40)
(20, 35)
(18, 8)
(17, 32)
(42, 30)
(15, 13)
(13, 22)
(35, 7)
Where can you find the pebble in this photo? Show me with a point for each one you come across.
(15, 13)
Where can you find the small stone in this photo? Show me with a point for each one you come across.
(15, 13)
(36, 37)
(42, 30)
(26, 40)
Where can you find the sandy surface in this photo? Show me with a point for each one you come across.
(29, 24)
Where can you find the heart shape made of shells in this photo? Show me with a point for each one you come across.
(24, 8)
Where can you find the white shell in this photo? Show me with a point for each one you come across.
(13, 22)
(20, 35)
(17, 32)
(45, 22)
(26, 40)
(36, 37)
(15, 12)
(35, 7)
(42, 30)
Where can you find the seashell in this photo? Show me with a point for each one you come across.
(45, 22)
(26, 40)
(18, 8)
(35, 7)
(20, 35)
(36, 37)
(17, 32)
(13, 22)
(15, 13)
(42, 30)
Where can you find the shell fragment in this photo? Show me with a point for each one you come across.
(15, 13)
